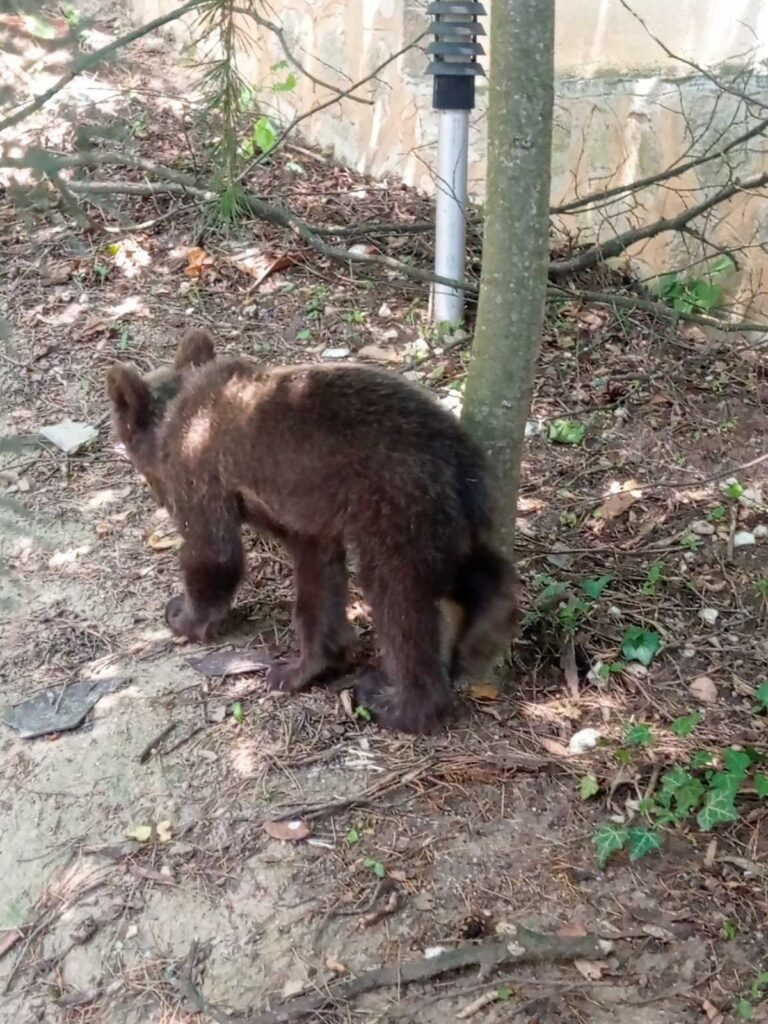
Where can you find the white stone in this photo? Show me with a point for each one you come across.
(709, 615)
(743, 538)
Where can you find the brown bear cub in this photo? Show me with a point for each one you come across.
(327, 459)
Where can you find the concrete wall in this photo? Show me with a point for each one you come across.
(625, 107)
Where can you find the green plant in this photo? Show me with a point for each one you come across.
(691, 542)
(707, 787)
(686, 724)
(640, 644)
(745, 1007)
(689, 295)
(376, 866)
(237, 712)
(653, 578)
(637, 734)
(566, 432)
(568, 519)
(355, 316)
(718, 513)
(733, 490)
(761, 699)
(761, 589)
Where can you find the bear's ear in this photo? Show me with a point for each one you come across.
(130, 395)
(195, 349)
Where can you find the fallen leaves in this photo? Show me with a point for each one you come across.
(164, 539)
(619, 501)
(288, 831)
(155, 832)
(198, 262)
(261, 264)
(484, 692)
(220, 664)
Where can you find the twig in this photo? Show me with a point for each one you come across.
(340, 95)
(153, 744)
(279, 32)
(519, 945)
(675, 171)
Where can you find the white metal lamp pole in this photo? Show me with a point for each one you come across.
(454, 50)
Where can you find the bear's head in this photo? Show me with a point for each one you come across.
(139, 403)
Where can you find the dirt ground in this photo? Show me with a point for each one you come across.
(139, 883)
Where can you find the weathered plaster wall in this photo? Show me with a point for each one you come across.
(625, 107)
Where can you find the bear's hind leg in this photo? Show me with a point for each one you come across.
(411, 692)
(320, 615)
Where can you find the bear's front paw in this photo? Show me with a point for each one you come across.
(183, 623)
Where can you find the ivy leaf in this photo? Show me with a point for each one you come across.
(640, 645)
(609, 839)
(589, 786)
(643, 841)
(504, 993)
(594, 588)
(638, 735)
(761, 785)
(686, 724)
(566, 432)
(719, 808)
(761, 696)
(237, 712)
(738, 762)
(702, 759)
(353, 837)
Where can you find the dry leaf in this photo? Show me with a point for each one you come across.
(198, 261)
(617, 504)
(161, 540)
(554, 747)
(335, 966)
(589, 969)
(141, 833)
(703, 689)
(571, 931)
(484, 691)
(288, 831)
(260, 265)
(92, 328)
(712, 1013)
(220, 664)
(164, 831)
(346, 702)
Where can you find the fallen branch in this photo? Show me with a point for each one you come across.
(517, 946)
(178, 183)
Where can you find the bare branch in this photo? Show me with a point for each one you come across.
(340, 95)
(279, 32)
(656, 179)
(723, 86)
(620, 243)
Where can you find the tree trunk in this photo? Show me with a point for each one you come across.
(516, 243)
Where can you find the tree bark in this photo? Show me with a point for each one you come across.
(516, 242)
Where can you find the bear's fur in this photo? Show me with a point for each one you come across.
(326, 458)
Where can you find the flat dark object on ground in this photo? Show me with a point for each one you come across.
(54, 711)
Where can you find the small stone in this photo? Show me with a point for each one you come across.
(342, 352)
(688, 652)
(743, 538)
(615, 612)
(391, 335)
(378, 355)
(760, 531)
(751, 498)
(702, 528)
(709, 615)
(704, 689)
(583, 740)
(384, 311)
